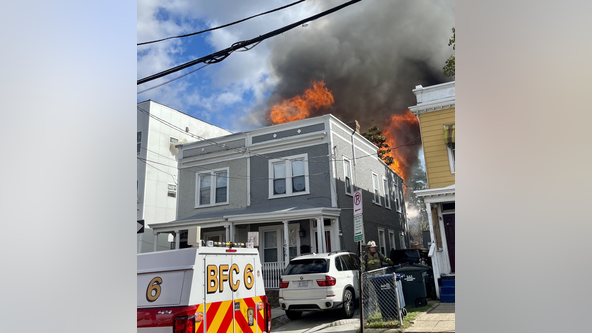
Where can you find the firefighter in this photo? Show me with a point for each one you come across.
(372, 258)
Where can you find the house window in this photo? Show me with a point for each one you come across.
(376, 187)
(451, 156)
(139, 141)
(387, 199)
(270, 249)
(288, 176)
(348, 176)
(392, 239)
(402, 239)
(396, 196)
(212, 188)
(381, 241)
(173, 140)
(172, 190)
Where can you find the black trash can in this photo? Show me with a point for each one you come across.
(414, 284)
(385, 288)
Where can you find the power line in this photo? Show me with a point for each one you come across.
(223, 54)
(167, 82)
(222, 26)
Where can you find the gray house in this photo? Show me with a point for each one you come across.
(292, 186)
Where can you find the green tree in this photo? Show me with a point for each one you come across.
(375, 136)
(450, 63)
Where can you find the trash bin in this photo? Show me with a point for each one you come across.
(384, 286)
(414, 284)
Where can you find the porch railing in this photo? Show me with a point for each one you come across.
(272, 272)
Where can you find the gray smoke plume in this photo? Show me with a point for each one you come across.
(370, 55)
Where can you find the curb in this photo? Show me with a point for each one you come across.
(335, 323)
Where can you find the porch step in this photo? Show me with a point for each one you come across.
(447, 293)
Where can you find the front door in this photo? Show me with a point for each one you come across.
(449, 230)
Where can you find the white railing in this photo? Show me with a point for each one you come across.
(272, 272)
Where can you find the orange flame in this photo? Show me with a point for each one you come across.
(395, 126)
(300, 107)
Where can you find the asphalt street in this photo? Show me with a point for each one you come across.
(312, 319)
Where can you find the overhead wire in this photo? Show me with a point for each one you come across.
(223, 26)
(223, 54)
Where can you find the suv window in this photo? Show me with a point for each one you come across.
(348, 263)
(307, 266)
(339, 264)
(354, 261)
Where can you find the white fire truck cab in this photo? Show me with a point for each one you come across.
(202, 289)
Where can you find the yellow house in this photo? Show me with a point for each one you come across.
(435, 112)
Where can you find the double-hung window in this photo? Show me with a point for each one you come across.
(396, 196)
(288, 176)
(387, 199)
(382, 242)
(348, 176)
(139, 141)
(376, 189)
(212, 188)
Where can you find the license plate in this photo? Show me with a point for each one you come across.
(302, 284)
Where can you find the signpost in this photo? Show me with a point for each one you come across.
(359, 237)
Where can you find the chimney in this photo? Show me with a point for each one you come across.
(354, 125)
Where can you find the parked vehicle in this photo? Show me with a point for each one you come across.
(317, 282)
(202, 289)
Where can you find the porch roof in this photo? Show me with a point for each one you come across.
(251, 214)
(437, 194)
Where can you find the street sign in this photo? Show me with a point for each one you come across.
(141, 226)
(358, 228)
(358, 202)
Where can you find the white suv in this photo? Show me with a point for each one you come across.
(317, 282)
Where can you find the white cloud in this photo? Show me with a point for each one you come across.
(240, 73)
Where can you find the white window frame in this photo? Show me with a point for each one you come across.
(288, 162)
(396, 196)
(345, 175)
(279, 240)
(171, 140)
(402, 239)
(387, 197)
(375, 190)
(392, 239)
(171, 191)
(382, 241)
(451, 158)
(212, 174)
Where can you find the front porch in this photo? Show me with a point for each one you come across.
(440, 207)
(280, 233)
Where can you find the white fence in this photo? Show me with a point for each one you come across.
(272, 272)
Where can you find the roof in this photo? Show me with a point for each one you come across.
(272, 212)
(320, 255)
(438, 194)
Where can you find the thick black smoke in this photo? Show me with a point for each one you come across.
(370, 55)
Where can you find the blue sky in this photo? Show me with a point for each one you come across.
(223, 94)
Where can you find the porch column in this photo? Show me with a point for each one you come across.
(322, 248)
(433, 243)
(231, 228)
(155, 241)
(286, 244)
(177, 239)
(227, 229)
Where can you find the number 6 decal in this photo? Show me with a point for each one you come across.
(153, 291)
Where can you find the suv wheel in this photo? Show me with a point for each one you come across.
(347, 310)
(293, 315)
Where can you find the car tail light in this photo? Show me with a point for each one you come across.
(184, 324)
(283, 284)
(328, 281)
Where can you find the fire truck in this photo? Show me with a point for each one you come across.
(208, 289)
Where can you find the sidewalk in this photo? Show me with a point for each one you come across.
(439, 319)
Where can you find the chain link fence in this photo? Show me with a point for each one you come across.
(383, 297)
